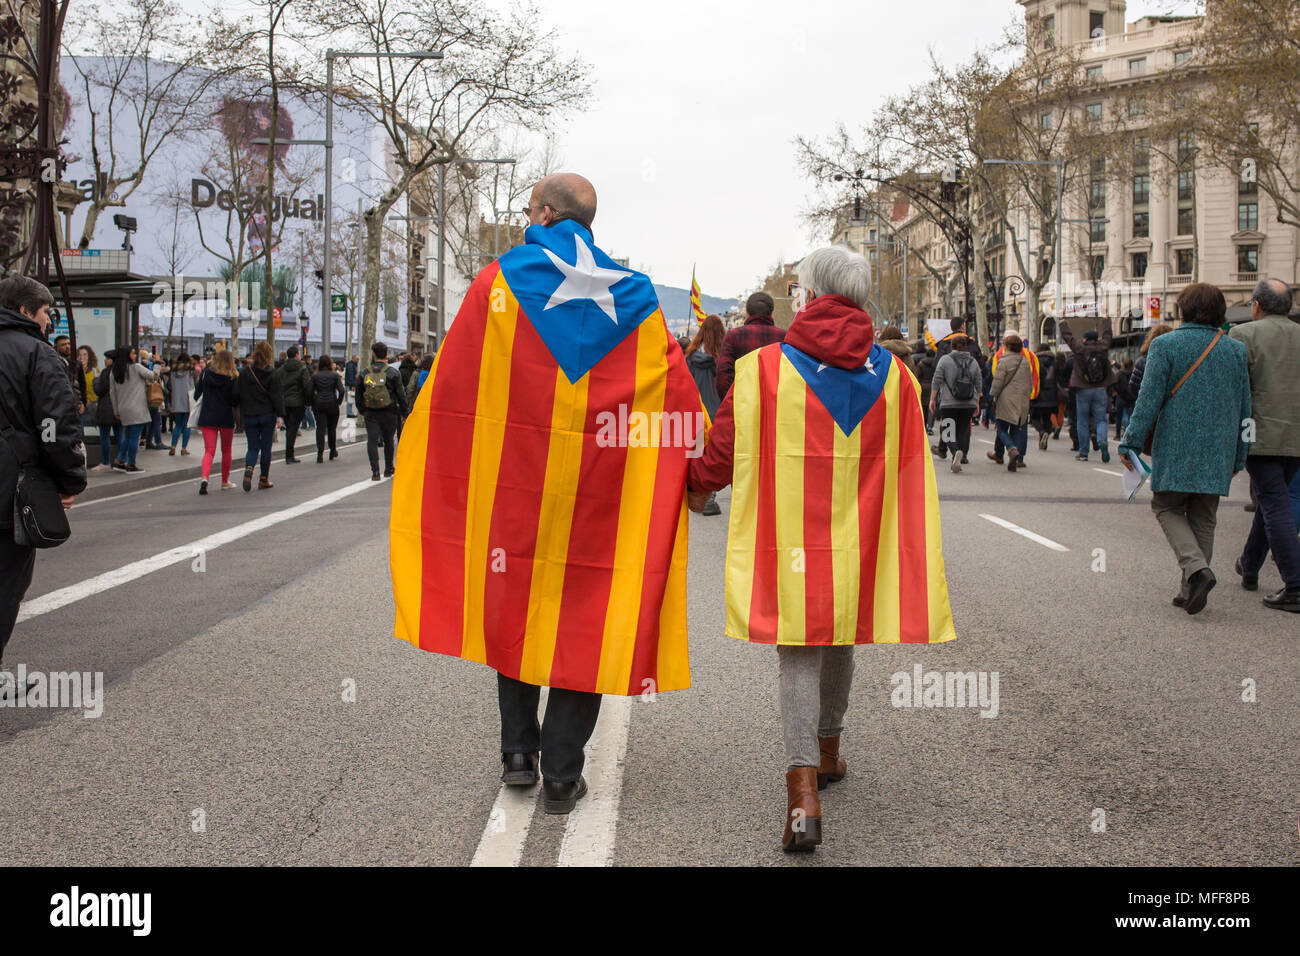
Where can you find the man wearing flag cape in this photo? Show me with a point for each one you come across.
(538, 513)
(834, 537)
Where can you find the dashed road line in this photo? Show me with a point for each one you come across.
(1025, 533)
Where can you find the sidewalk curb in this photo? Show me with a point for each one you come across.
(156, 479)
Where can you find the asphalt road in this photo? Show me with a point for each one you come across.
(262, 688)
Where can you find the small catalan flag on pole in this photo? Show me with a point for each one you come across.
(696, 307)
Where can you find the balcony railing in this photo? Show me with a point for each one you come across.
(1180, 278)
(1246, 277)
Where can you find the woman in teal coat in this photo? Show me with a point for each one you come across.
(1200, 432)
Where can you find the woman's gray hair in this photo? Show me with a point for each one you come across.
(837, 270)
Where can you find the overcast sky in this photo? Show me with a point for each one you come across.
(689, 135)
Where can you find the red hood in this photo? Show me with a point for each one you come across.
(833, 330)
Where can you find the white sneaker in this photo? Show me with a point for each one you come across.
(955, 465)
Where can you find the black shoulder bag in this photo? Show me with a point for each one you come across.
(40, 520)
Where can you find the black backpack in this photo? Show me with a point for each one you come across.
(963, 389)
(1046, 376)
(1095, 367)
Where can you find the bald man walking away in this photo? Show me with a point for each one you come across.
(1272, 343)
(533, 540)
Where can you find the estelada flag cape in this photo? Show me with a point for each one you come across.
(1034, 368)
(834, 535)
(538, 517)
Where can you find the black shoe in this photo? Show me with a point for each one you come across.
(390, 472)
(711, 508)
(1080, 457)
(292, 461)
(203, 487)
(374, 476)
(333, 454)
(1013, 454)
(320, 458)
(1105, 454)
(1199, 586)
(1284, 600)
(1248, 581)
(520, 770)
(562, 797)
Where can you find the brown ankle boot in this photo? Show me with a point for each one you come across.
(264, 482)
(833, 768)
(248, 479)
(803, 815)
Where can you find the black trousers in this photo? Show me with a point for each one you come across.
(384, 423)
(327, 423)
(961, 418)
(570, 719)
(293, 415)
(16, 565)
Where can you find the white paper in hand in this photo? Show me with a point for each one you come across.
(1135, 479)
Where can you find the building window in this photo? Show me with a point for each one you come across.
(1092, 112)
(1141, 189)
(1185, 186)
(1182, 56)
(414, 321)
(1096, 23)
(1045, 121)
(1186, 221)
(1247, 189)
(1248, 259)
(1137, 106)
(1097, 229)
(1186, 147)
(1183, 262)
(1094, 74)
(1141, 153)
(1137, 67)
(1247, 215)
(1098, 267)
(1139, 265)
(1141, 225)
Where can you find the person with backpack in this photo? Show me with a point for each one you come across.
(327, 394)
(955, 397)
(128, 389)
(295, 387)
(1043, 405)
(1093, 376)
(258, 397)
(418, 378)
(382, 400)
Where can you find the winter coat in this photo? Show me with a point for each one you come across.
(219, 394)
(326, 390)
(953, 365)
(1198, 442)
(295, 383)
(103, 391)
(1081, 347)
(182, 383)
(1012, 384)
(704, 369)
(260, 397)
(959, 340)
(131, 395)
(1134, 383)
(902, 350)
(1273, 354)
(1048, 377)
(34, 390)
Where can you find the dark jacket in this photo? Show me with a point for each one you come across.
(1082, 347)
(704, 369)
(104, 415)
(1134, 383)
(393, 379)
(295, 383)
(256, 399)
(955, 339)
(350, 374)
(406, 370)
(76, 377)
(758, 330)
(326, 390)
(1048, 376)
(902, 350)
(34, 390)
(219, 394)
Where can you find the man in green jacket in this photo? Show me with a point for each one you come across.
(1272, 343)
(295, 388)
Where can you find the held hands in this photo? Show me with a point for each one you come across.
(696, 500)
(67, 500)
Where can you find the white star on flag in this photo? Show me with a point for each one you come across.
(820, 367)
(585, 280)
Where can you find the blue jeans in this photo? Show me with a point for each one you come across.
(1274, 527)
(1090, 409)
(259, 429)
(109, 435)
(1122, 419)
(155, 427)
(1012, 436)
(130, 446)
(181, 428)
(308, 418)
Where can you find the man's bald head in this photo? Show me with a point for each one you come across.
(563, 196)
(1273, 297)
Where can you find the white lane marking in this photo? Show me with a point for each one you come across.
(216, 467)
(1107, 471)
(502, 843)
(986, 441)
(590, 830)
(138, 569)
(1045, 542)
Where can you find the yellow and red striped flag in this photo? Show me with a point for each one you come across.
(696, 307)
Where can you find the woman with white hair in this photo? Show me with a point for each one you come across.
(834, 515)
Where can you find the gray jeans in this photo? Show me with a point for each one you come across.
(1188, 521)
(815, 685)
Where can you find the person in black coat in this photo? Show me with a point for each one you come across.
(216, 389)
(327, 394)
(262, 410)
(1042, 408)
(40, 435)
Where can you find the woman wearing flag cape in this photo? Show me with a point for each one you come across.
(834, 535)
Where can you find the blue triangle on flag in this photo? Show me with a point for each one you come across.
(847, 394)
(581, 302)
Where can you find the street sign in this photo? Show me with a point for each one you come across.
(276, 316)
(338, 302)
